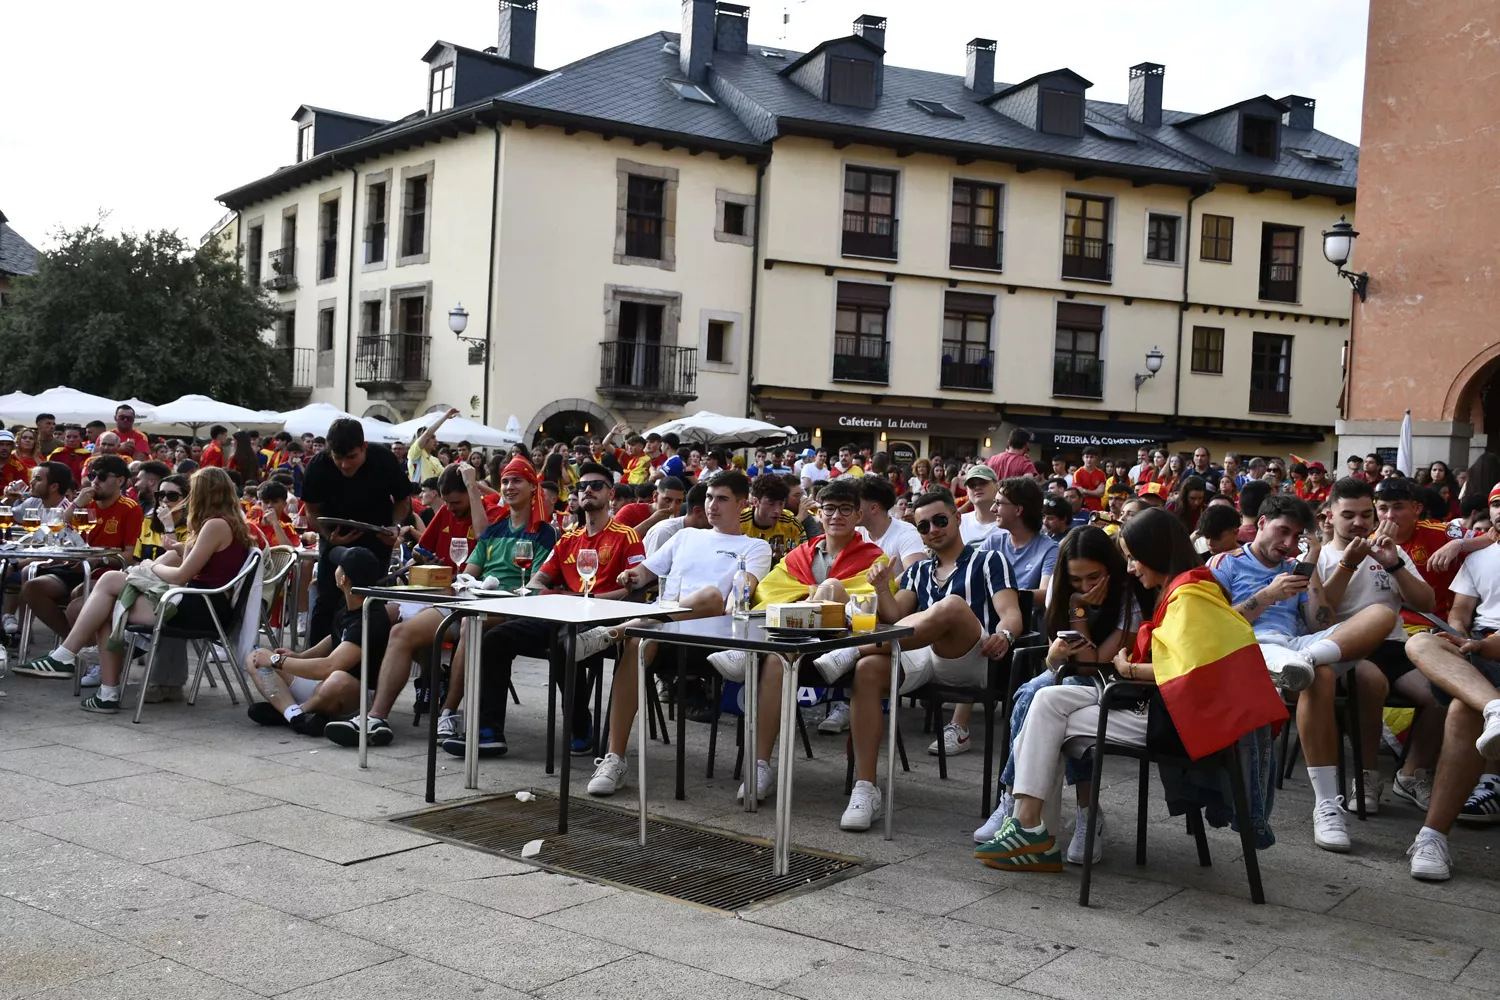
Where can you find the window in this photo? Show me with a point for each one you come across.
(1271, 373)
(936, 109)
(325, 329)
(1076, 366)
(968, 362)
(637, 359)
(1061, 113)
(1208, 350)
(1161, 237)
(413, 315)
(254, 250)
(286, 330)
(1280, 249)
(369, 319)
(716, 349)
(1218, 238)
(869, 213)
(1087, 252)
(305, 142)
(974, 234)
(859, 340)
(442, 89)
(851, 82)
(289, 231)
(689, 91)
(375, 224)
(1258, 136)
(328, 239)
(734, 218)
(645, 213)
(414, 222)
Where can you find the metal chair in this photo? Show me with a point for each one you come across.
(277, 562)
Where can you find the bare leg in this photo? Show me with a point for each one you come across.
(47, 597)
(1315, 723)
(1373, 688)
(98, 612)
(337, 695)
(872, 680)
(1446, 668)
(1426, 736)
(623, 701)
(111, 664)
(407, 638)
(768, 712)
(1458, 768)
(1363, 633)
(273, 687)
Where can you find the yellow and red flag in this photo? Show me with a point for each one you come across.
(1208, 666)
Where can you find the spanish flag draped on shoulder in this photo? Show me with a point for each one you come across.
(789, 579)
(1211, 673)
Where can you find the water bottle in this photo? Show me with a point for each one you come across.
(739, 590)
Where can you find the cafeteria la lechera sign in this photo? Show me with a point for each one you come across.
(883, 423)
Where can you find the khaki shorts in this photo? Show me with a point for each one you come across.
(922, 666)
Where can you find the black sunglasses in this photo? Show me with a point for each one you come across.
(938, 521)
(169, 494)
(592, 485)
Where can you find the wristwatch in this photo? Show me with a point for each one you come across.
(277, 659)
(1010, 639)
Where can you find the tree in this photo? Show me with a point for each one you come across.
(141, 315)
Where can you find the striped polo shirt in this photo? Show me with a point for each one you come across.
(977, 578)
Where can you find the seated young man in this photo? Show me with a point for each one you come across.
(896, 538)
(1465, 675)
(665, 503)
(303, 690)
(828, 568)
(1290, 610)
(768, 518)
(704, 561)
(962, 603)
(522, 517)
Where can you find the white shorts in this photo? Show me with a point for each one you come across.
(410, 609)
(301, 688)
(921, 666)
(1299, 643)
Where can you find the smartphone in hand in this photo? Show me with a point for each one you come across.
(1303, 569)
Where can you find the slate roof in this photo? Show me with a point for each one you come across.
(16, 255)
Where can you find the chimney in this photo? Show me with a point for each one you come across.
(1145, 93)
(871, 27)
(697, 45)
(732, 28)
(518, 31)
(980, 76)
(1301, 115)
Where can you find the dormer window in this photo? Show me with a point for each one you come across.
(442, 89)
(1061, 112)
(305, 142)
(1258, 136)
(851, 82)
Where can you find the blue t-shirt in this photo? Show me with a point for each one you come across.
(1242, 574)
(1029, 563)
(672, 467)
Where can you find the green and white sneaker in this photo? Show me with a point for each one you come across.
(94, 703)
(1014, 841)
(1047, 861)
(46, 666)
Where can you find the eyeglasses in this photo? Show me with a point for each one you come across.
(169, 494)
(938, 521)
(842, 510)
(592, 485)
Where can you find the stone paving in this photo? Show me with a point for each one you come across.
(200, 856)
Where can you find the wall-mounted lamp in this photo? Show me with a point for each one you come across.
(458, 322)
(882, 437)
(987, 443)
(818, 432)
(1154, 359)
(1338, 247)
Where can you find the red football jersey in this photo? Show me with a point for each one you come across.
(118, 526)
(619, 548)
(1090, 479)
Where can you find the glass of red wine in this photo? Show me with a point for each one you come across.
(521, 556)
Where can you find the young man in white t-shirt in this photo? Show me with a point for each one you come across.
(1359, 569)
(982, 484)
(705, 561)
(899, 540)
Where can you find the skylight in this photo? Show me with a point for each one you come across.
(936, 109)
(689, 91)
(1321, 159)
(772, 54)
(1109, 130)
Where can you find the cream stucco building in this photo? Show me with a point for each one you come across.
(874, 254)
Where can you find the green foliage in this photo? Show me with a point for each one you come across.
(143, 315)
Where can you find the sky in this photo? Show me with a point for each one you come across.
(145, 111)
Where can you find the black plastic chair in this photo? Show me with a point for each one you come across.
(1126, 694)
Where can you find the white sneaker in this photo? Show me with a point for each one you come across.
(955, 741)
(12, 624)
(1075, 853)
(1374, 788)
(991, 826)
(592, 642)
(89, 655)
(1415, 788)
(732, 664)
(1329, 831)
(450, 724)
(765, 778)
(865, 807)
(1290, 669)
(1489, 740)
(835, 664)
(609, 774)
(90, 679)
(1429, 859)
(837, 720)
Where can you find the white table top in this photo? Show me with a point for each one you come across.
(565, 609)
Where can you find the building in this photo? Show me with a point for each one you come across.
(17, 258)
(1428, 238)
(873, 253)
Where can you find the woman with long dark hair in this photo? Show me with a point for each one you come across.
(1191, 497)
(245, 460)
(1214, 688)
(1093, 595)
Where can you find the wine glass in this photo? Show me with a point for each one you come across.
(588, 567)
(521, 556)
(458, 551)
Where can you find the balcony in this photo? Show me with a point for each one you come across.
(1270, 394)
(392, 363)
(869, 236)
(297, 364)
(1087, 259)
(283, 269)
(967, 367)
(861, 359)
(1278, 282)
(1078, 377)
(655, 374)
(977, 255)
(328, 266)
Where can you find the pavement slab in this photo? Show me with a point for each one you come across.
(178, 795)
(319, 834)
(162, 979)
(132, 832)
(42, 951)
(868, 976)
(404, 978)
(337, 794)
(68, 765)
(647, 977)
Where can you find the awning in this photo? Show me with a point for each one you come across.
(1078, 432)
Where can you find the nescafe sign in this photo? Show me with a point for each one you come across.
(901, 452)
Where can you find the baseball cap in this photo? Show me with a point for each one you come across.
(1317, 467)
(361, 566)
(7, 436)
(1151, 490)
(981, 472)
(808, 453)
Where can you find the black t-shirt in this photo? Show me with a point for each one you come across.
(348, 627)
(365, 496)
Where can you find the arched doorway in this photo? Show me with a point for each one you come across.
(567, 419)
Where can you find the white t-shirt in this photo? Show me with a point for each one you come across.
(1479, 577)
(661, 533)
(973, 530)
(703, 557)
(900, 541)
(1370, 584)
(813, 474)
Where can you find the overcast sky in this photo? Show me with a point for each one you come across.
(149, 109)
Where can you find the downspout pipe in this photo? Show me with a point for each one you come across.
(1187, 264)
(349, 286)
(760, 174)
(490, 276)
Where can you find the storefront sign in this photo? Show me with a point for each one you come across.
(883, 423)
(1098, 440)
(901, 452)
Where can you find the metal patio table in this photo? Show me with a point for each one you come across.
(732, 633)
(11, 552)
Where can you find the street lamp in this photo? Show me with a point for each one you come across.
(458, 322)
(1338, 247)
(1154, 359)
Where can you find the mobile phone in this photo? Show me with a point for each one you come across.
(1304, 569)
(1072, 636)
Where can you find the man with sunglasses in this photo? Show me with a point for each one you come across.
(132, 441)
(965, 609)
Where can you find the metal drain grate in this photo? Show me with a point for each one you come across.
(711, 868)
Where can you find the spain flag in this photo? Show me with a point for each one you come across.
(1211, 673)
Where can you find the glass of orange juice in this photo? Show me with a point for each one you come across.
(862, 619)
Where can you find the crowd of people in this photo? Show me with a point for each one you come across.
(1308, 585)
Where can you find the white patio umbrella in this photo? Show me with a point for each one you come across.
(379, 431)
(196, 411)
(314, 419)
(718, 431)
(143, 410)
(459, 429)
(1404, 461)
(513, 426)
(69, 406)
(16, 403)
